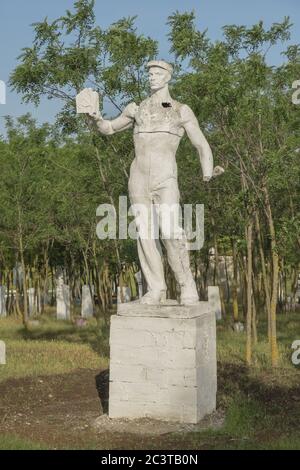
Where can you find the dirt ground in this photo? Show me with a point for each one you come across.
(60, 412)
(65, 411)
(54, 410)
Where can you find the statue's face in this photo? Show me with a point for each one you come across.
(158, 77)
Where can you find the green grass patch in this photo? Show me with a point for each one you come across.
(8, 442)
(231, 346)
(52, 347)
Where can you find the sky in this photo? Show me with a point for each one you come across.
(16, 16)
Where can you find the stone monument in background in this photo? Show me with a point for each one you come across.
(62, 299)
(3, 301)
(87, 307)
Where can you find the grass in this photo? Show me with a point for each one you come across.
(251, 424)
(261, 404)
(52, 347)
(231, 345)
(8, 442)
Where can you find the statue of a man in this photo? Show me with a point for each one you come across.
(159, 123)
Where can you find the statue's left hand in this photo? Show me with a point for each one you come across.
(217, 171)
(206, 178)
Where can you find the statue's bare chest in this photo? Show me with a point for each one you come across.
(158, 117)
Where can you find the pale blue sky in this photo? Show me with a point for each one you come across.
(17, 15)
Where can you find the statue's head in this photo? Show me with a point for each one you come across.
(160, 73)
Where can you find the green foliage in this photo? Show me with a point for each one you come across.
(53, 347)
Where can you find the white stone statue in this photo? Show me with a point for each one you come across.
(159, 123)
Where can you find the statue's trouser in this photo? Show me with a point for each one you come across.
(158, 209)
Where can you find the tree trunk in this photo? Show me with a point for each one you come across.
(264, 274)
(235, 303)
(227, 280)
(45, 275)
(275, 269)
(254, 316)
(249, 235)
(25, 300)
(216, 272)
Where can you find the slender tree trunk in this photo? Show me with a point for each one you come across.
(294, 285)
(285, 289)
(264, 274)
(8, 300)
(53, 286)
(235, 303)
(216, 271)
(243, 280)
(25, 300)
(249, 293)
(21, 253)
(254, 312)
(275, 269)
(227, 279)
(45, 277)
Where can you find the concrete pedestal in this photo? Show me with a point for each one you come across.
(163, 362)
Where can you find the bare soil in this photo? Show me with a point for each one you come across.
(65, 412)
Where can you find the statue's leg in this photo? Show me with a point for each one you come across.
(149, 249)
(173, 236)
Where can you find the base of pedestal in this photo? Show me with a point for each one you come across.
(163, 362)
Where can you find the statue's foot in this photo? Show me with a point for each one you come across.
(153, 298)
(189, 295)
(189, 300)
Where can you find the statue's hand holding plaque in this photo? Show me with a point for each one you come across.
(87, 102)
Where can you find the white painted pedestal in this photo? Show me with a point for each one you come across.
(163, 362)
